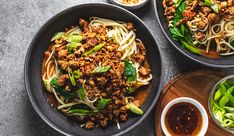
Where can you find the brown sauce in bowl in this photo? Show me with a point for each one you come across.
(183, 119)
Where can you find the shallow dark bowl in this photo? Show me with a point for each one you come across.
(40, 43)
(222, 62)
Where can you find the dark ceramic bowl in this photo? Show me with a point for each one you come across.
(222, 62)
(40, 43)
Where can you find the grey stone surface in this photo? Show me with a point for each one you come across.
(19, 21)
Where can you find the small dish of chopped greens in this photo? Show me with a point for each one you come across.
(221, 103)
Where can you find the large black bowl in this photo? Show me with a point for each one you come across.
(222, 62)
(40, 43)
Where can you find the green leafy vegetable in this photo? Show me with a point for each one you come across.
(190, 47)
(71, 76)
(57, 36)
(230, 115)
(217, 95)
(81, 111)
(60, 90)
(211, 4)
(95, 49)
(74, 38)
(72, 46)
(223, 101)
(82, 93)
(223, 89)
(77, 73)
(131, 89)
(223, 104)
(101, 69)
(130, 72)
(227, 123)
(102, 103)
(176, 33)
(230, 109)
(134, 109)
(177, 2)
(215, 8)
(182, 33)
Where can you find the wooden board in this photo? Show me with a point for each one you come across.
(196, 85)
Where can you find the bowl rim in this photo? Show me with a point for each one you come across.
(205, 121)
(211, 94)
(183, 52)
(42, 28)
(133, 5)
(130, 7)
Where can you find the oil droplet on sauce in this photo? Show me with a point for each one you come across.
(183, 119)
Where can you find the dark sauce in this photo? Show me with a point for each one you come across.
(183, 119)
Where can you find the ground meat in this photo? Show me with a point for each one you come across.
(144, 71)
(230, 11)
(102, 80)
(202, 24)
(83, 23)
(63, 64)
(206, 10)
(89, 125)
(63, 80)
(167, 3)
(104, 122)
(47, 54)
(213, 18)
(123, 117)
(170, 10)
(62, 54)
(138, 57)
(130, 26)
(230, 3)
(188, 14)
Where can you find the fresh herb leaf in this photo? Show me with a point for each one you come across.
(60, 90)
(130, 72)
(57, 36)
(103, 103)
(101, 69)
(82, 93)
(95, 49)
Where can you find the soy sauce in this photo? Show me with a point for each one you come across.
(183, 119)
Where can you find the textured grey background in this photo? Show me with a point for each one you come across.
(19, 21)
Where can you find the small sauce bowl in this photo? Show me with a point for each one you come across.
(130, 6)
(191, 101)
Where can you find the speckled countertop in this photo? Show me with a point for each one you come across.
(19, 21)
